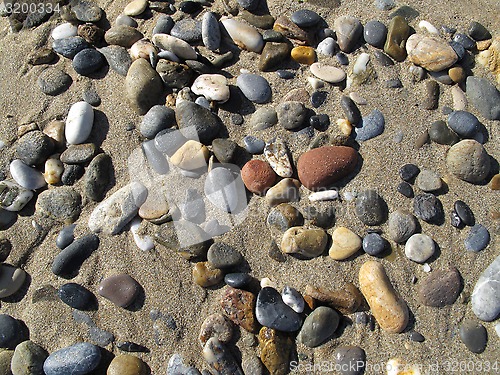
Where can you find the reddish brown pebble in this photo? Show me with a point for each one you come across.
(346, 300)
(119, 289)
(239, 306)
(440, 288)
(258, 176)
(321, 167)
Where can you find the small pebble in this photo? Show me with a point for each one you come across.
(126, 364)
(237, 280)
(293, 299)
(327, 47)
(428, 208)
(76, 296)
(370, 208)
(371, 126)
(473, 335)
(428, 180)
(464, 213)
(402, 225)
(350, 359)
(478, 238)
(374, 244)
(416, 336)
(478, 31)
(66, 236)
(305, 18)
(254, 87)
(81, 358)
(406, 189)
(53, 81)
(465, 124)
(419, 248)
(120, 289)
(253, 144)
(375, 33)
(345, 243)
(440, 133)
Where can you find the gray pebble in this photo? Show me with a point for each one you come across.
(5, 248)
(370, 208)
(465, 124)
(159, 117)
(88, 61)
(34, 148)
(484, 96)
(385, 4)
(97, 177)
(350, 109)
(285, 74)
(11, 332)
(374, 244)
(351, 360)
(79, 154)
(69, 47)
(384, 60)
(86, 10)
(375, 33)
(305, 18)
(81, 358)
(318, 327)
(118, 58)
(327, 47)
(416, 336)
(72, 173)
(163, 25)
(65, 236)
(428, 180)
(263, 118)
(53, 81)
(123, 19)
(224, 149)
(62, 204)
(254, 87)
(473, 335)
(91, 96)
(442, 77)
(428, 208)
(463, 39)
(272, 36)
(419, 247)
(478, 238)
(291, 115)
(249, 4)
(69, 260)
(402, 225)
(440, 133)
(237, 119)
(206, 124)
(348, 30)
(187, 29)
(478, 31)
(318, 98)
(28, 359)
(253, 144)
(210, 31)
(370, 126)
(221, 255)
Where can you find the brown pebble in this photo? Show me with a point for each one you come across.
(258, 176)
(495, 182)
(431, 96)
(205, 275)
(422, 139)
(275, 350)
(297, 95)
(126, 364)
(457, 74)
(303, 55)
(347, 299)
(120, 289)
(290, 30)
(239, 307)
(440, 288)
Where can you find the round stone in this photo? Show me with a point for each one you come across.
(126, 364)
(53, 81)
(11, 332)
(306, 242)
(215, 325)
(464, 213)
(468, 161)
(402, 225)
(371, 126)
(291, 114)
(465, 124)
(28, 359)
(81, 358)
(416, 336)
(405, 189)
(428, 180)
(473, 335)
(34, 148)
(348, 30)
(254, 87)
(159, 117)
(76, 296)
(120, 289)
(478, 238)
(374, 244)
(224, 149)
(440, 133)
(419, 247)
(62, 204)
(88, 61)
(440, 288)
(258, 176)
(408, 172)
(375, 33)
(263, 118)
(428, 208)
(370, 208)
(303, 55)
(345, 243)
(351, 360)
(11, 280)
(305, 18)
(221, 255)
(327, 73)
(237, 280)
(318, 327)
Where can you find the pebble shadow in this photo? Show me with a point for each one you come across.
(139, 300)
(100, 129)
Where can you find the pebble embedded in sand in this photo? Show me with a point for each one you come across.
(79, 123)
(120, 289)
(328, 73)
(345, 243)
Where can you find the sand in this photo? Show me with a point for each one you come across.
(166, 277)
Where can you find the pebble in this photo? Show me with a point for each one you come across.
(5, 249)
(427, 26)
(91, 96)
(305, 18)
(111, 215)
(120, 289)
(440, 288)
(253, 144)
(477, 239)
(237, 119)
(210, 31)
(192, 207)
(135, 7)
(464, 213)
(303, 55)
(349, 30)
(370, 126)
(405, 189)
(28, 359)
(465, 124)
(117, 58)
(11, 332)
(370, 208)
(307, 242)
(276, 155)
(258, 176)
(220, 358)
(440, 133)
(321, 167)
(385, 4)
(325, 195)
(11, 280)
(408, 172)
(263, 118)
(62, 204)
(328, 73)
(397, 34)
(375, 33)
(243, 35)
(318, 327)
(206, 124)
(122, 35)
(178, 46)
(428, 208)
(327, 47)
(143, 86)
(215, 325)
(126, 364)
(34, 147)
(163, 25)
(272, 312)
(284, 216)
(291, 114)
(484, 96)
(342, 58)
(223, 256)
(71, 174)
(42, 56)
(478, 31)
(473, 335)
(70, 259)
(191, 156)
(79, 154)
(293, 298)
(468, 161)
(205, 275)
(402, 225)
(351, 360)
(88, 61)
(430, 53)
(76, 296)
(287, 190)
(374, 244)
(13, 197)
(224, 149)
(428, 180)
(254, 87)
(188, 30)
(81, 358)
(419, 247)
(79, 123)
(64, 30)
(97, 177)
(69, 47)
(237, 280)
(486, 294)
(464, 40)
(319, 122)
(430, 100)
(273, 54)
(213, 87)
(53, 81)
(238, 305)
(159, 117)
(350, 109)
(26, 176)
(388, 308)
(345, 243)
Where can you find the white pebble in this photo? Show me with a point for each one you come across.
(328, 73)
(326, 195)
(348, 196)
(213, 87)
(54, 169)
(79, 123)
(427, 26)
(315, 83)
(293, 298)
(398, 137)
(267, 282)
(243, 35)
(358, 99)
(64, 30)
(245, 71)
(144, 243)
(2, 144)
(497, 329)
(327, 47)
(277, 157)
(178, 46)
(361, 63)
(26, 176)
(426, 267)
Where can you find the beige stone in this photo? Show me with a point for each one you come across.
(308, 242)
(126, 364)
(345, 243)
(287, 190)
(430, 53)
(135, 7)
(190, 156)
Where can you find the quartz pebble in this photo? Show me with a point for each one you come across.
(468, 161)
(79, 123)
(254, 87)
(440, 288)
(213, 87)
(64, 30)
(345, 243)
(473, 335)
(318, 327)
(272, 312)
(276, 155)
(486, 294)
(81, 358)
(430, 53)
(478, 238)
(419, 247)
(120, 289)
(293, 299)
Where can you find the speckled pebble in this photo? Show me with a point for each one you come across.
(374, 244)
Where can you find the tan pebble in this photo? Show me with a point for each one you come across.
(126, 364)
(267, 282)
(422, 139)
(307, 242)
(170, 100)
(54, 169)
(459, 98)
(388, 308)
(190, 156)
(55, 130)
(396, 366)
(430, 53)
(490, 58)
(287, 190)
(135, 8)
(345, 243)
(457, 74)
(154, 209)
(275, 350)
(303, 55)
(215, 325)
(482, 45)
(23, 129)
(143, 49)
(346, 299)
(495, 182)
(205, 275)
(345, 126)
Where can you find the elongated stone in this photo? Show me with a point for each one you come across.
(79, 123)
(243, 35)
(26, 176)
(77, 359)
(175, 45)
(397, 35)
(69, 260)
(143, 86)
(13, 197)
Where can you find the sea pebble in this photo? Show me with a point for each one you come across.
(219, 358)
(348, 30)
(26, 176)
(272, 312)
(465, 124)
(210, 31)
(408, 172)
(388, 308)
(419, 247)
(34, 147)
(375, 33)
(223, 256)
(135, 7)
(307, 242)
(81, 358)
(178, 46)
(342, 58)
(215, 325)
(370, 208)
(69, 47)
(254, 87)
(427, 26)
(62, 204)
(319, 122)
(325, 195)
(276, 155)
(122, 35)
(191, 156)
(13, 197)
(293, 298)
(486, 294)
(11, 280)
(345, 243)
(374, 244)
(291, 114)
(428, 180)
(55, 131)
(273, 55)
(64, 30)
(97, 177)
(206, 275)
(198, 121)
(283, 217)
(396, 366)
(143, 86)
(79, 154)
(69, 260)
(88, 61)
(28, 359)
(370, 126)
(327, 73)
(305, 18)
(239, 306)
(118, 58)
(123, 19)
(253, 144)
(430, 53)
(303, 55)
(351, 360)
(213, 87)
(158, 117)
(126, 364)
(91, 96)
(463, 39)
(5, 248)
(431, 97)
(53, 81)
(258, 176)
(120, 289)
(428, 208)
(237, 280)
(468, 161)
(473, 335)
(405, 189)
(478, 31)
(397, 34)
(243, 35)
(76, 296)
(484, 96)
(188, 30)
(478, 238)
(11, 332)
(402, 225)
(350, 109)
(440, 133)
(327, 47)
(287, 190)
(79, 123)
(442, 287)
(318, 327)
(192, 207)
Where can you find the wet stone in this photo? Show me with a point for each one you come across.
(428, 208)
(440, 133)
(120, 289)
(478, 238)
(405, 189)
(473, 335)
(350, 359)
(76, 296)
(53, 81)
(273, 313)
(375, 33)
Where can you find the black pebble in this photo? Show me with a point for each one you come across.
(71, 174)
(318, 98)
(459, 49)
(350, 109)
(65, 236)
(428, 208)
(455, 220)
(128, 346)
(10, 332)
(342, 58)
(464, 40)
(285, 74)
(76, 296)
(405, 189)
(69, 260)
(478, 31)
(5, 248)
(88, 61)
(417, 336)
(408, 172)
(236, 119)
(320, 122)
(189, 7)
(237, 280)
(464, 213)
(383, 59)
(474, 336)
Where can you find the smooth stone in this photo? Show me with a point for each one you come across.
(97, 177)
(350, 110)
(215, 325)
(416, 337)
(293, 298)
(118, 58)
(321, 167)
(5, 248)
(385, 4)
(328, 73)
(28, 359)
(345, 243)
(397, 35)
(188, 30)
(342, 58)
(111, 215)
(440, 288)
(206, 125)
(69, 47)
(370, 126)
(477, 239)
(430, 53)
(473, 335)
(253, 144)
(191, 156)
(26, 176)
(402, 225)
(273, 36)
(370, 208)
(419, 247)
(243, 35)
(224, 149)
(53, 81)
(123, 19)
(91, 96)
(327, 47)
(305, 18)
(484, 96)
(143, 86)
(283, 217)
(408, 172)
(291, 114)
(54, 169)
(318, 98)
(159, 117)
(430, 98)
(273, 54)
(405, 189)
(135, 7)
(206, 275)
(62, 204)
(77, 359)
(85, 10)
(464, 213)
(210, 31)
(190, 7)
(13, 198)
(11, 332)
(440, 133)
(350, 359)
(64, 30)
(375, 33)
(258, 176)
(428, 208)
(88, 61)
(219, 358)
(457, 74)
(319, 122)
(465, 124)
(237, 280)
(11, 280)
(126, 364)
(387, 306)
(79, 123)
(486, 294)
(307, 242)
(263, 118)
(120, 289)
(70, 259)
(122, 35)
(468, 161)
(349, 30)
(318, 327)
(239, 306)
(254, 87)
(178, 46)
(79, 154)
(163, 25)
(34, 148)
(374, 244)
(287, 190)
(428, 180)
(463, 39)
(261, 21)
(71, 174)
(478, 32)
(303, 55)
(213, 87)
(76, 296)
(221, 255)
(272, 312)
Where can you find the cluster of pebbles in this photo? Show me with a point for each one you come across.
(182, 63)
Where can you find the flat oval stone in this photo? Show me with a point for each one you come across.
(120, 289)
(402, 225)
(345, 243)
(272, 312)
(405, 189)
(224, 149)
(375, 33)
(221, 255)
(158, 118)
(79, 154)
(122, 35)
(370, 208)
(370, 126)
(254, 87)
(143, 86)
(351, 360)
(13, 198)
(440, 288)
(69, 47)
(88, 61)
(386, 305)
(69, 260)
(428, 180)
(328, 73)
(318, 327)
(308, 242)
(464, 212)
(26, 176)
(428, 208)
(81, 358)
(478, 238)
(486, 294)
(468, 161)
(323, 166)
(440, 133)
(243, 35)
(206, 124)
(210, 31)
(374, 244)
(178, 46)
(349, 30)
(64, 30)
(53, 81)
(465, 124)
(430, 53)
(237, 280)
(28, 359)
(478, 31)
(11, 332)
(135, 7)
(79, 123)
(126, 364)
(419, 247)
(11, 280)
(76, 296)
(187, 29)
(305, 18)
(473, 335)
